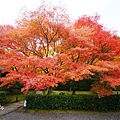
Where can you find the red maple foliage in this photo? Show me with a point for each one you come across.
(93, 49)
(43, 50)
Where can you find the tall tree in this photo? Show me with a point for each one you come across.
(45, 48)
(30, 47)
(92, 49)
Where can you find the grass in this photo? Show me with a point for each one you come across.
(116, 92)
(16, 97)
(55, 92)
(63, 111)
(70, 92)
(57, 111)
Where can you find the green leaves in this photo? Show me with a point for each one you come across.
(73, 102)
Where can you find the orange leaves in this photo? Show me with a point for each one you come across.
(113, 81)
(42, 30)
(111, 66)
(72, 70)
(9, 79)
(87, 20)
(91, 47)
(112, 75)
(45, 48)
(101, 90)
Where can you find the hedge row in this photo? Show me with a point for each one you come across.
(3, 97)
(73, 102)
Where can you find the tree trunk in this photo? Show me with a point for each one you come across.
(73, 92)
(49, 90)
(74, 88)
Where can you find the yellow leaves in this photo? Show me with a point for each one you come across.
(45, 48)
(84, 32)
(97, 68)
(110, 65)
(63, 70)
(117, 58)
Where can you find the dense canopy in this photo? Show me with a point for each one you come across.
(46, 48)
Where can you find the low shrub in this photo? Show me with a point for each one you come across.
(3, 97)
(73, 102)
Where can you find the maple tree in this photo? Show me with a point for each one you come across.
(30, 47)
(45, 49)
(93, 49)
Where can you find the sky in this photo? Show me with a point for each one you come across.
(107, 9)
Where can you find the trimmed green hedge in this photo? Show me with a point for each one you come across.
(3, 97)
(73, 102)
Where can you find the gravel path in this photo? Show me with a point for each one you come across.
(22, 115)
